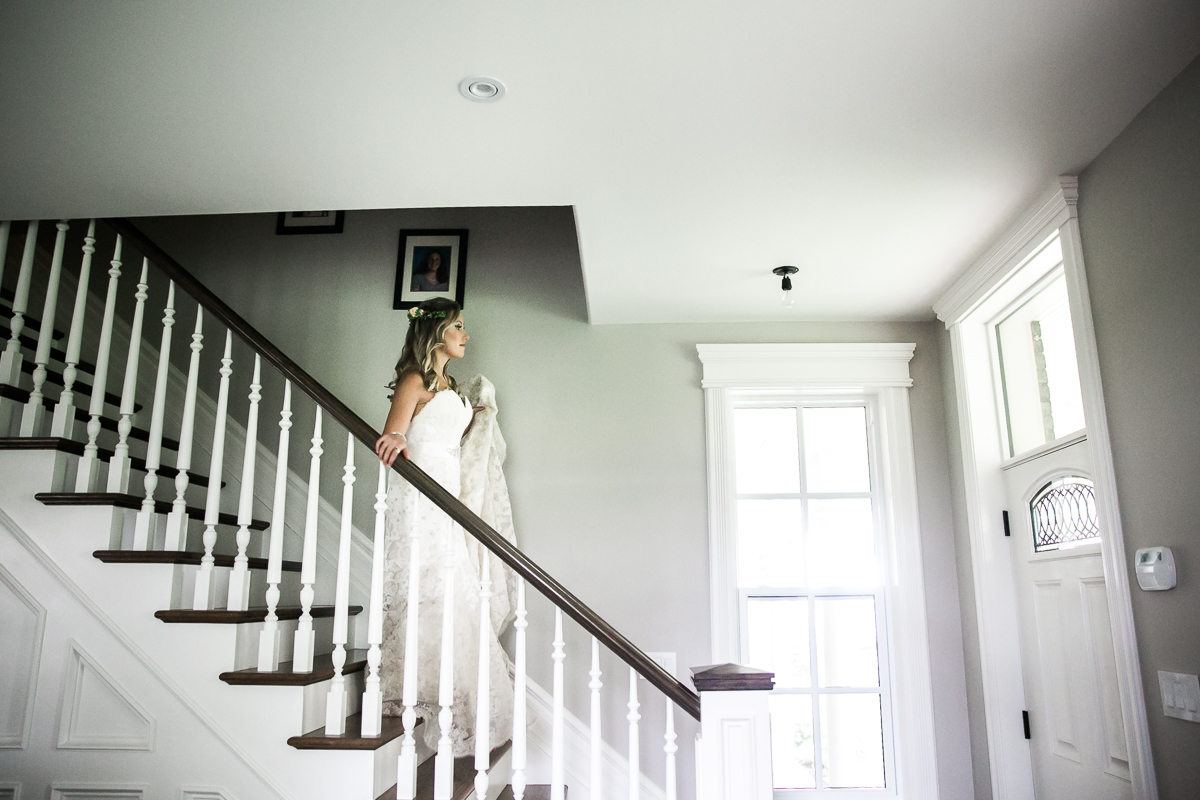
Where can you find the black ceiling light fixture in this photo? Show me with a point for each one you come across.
(786, 273)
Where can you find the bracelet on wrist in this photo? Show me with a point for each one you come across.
(398, 433)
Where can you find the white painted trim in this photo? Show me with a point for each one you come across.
(91, 789)
(35, 658)
(204, 793)
(577, 751)
(991, 565)
(1116, 567)
(1061, 443)
(44, 559)
(991, 269)
(69, 738)
(826, 367)
(722, 519)
(10, 786)
(962, 309)
(912, 679)
(872, 369)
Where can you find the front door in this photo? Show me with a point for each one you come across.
(1077, 735)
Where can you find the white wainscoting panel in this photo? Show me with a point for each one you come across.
(97, 712)
(203, 793)
(22, 626)
(99, 791)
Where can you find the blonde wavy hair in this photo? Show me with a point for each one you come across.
(427, 328)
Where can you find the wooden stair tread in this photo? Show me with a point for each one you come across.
(133, 502)
(352, 739)
(181, 557)
(77, 448)
(141, 434)
(464, 776)
(536, 791)
(356, 661)
(223, 616)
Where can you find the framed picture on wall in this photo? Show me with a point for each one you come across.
(430, 264)
(309, 222)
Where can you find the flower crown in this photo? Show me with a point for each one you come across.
(415, 314)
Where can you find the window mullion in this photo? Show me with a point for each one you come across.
(815, 680)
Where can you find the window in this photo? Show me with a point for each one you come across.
(1064, 515)
(811, 599)
(837, 554)
(1038, 371)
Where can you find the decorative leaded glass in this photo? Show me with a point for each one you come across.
(1063, 513)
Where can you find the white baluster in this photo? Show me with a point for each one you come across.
(5, 230)
(443, 763)
(145, 527)
(519, 750)
(483, 717)
(118, 466)
(305, 641)
(268, 638)
(204, 595)
(239, 579)
(88, 476)
(635, 770)
(670, 748)
(406, 771)
(63, 423)
(335, 701)
(558, 789)
(12, 359)
(177, 520)
(597, 743)
(35, 411)
(372, 703)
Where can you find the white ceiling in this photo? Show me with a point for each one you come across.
(876, 144)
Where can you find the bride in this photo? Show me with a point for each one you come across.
(432, 424)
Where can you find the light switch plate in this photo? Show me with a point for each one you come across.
(1180, 695)
(664, 660)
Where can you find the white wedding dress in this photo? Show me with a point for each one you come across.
(473, 472)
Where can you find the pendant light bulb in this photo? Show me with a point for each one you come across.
(786, 273)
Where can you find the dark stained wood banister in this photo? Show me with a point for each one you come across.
(520, 563)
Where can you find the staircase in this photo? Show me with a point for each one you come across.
(199, 591)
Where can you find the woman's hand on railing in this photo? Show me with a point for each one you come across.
(390, 445)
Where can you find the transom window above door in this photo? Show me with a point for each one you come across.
(1037, 370)
(810, 595)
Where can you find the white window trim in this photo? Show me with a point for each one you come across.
(967, 308)
(880, 371)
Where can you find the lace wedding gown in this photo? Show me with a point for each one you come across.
(473, 472)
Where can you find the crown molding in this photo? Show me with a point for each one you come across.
(1052, 210)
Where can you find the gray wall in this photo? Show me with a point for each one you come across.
(1139, 211)
(605, 424)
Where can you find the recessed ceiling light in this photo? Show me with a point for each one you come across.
(481, 89)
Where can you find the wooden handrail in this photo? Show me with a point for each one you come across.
(520, 563)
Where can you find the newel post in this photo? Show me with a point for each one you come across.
(735, 730)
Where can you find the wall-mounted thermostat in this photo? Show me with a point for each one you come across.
(1155, 567)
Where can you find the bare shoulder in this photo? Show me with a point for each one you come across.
(411, 385)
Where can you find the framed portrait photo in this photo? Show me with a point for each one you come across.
(290, 222)
(430, 264)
